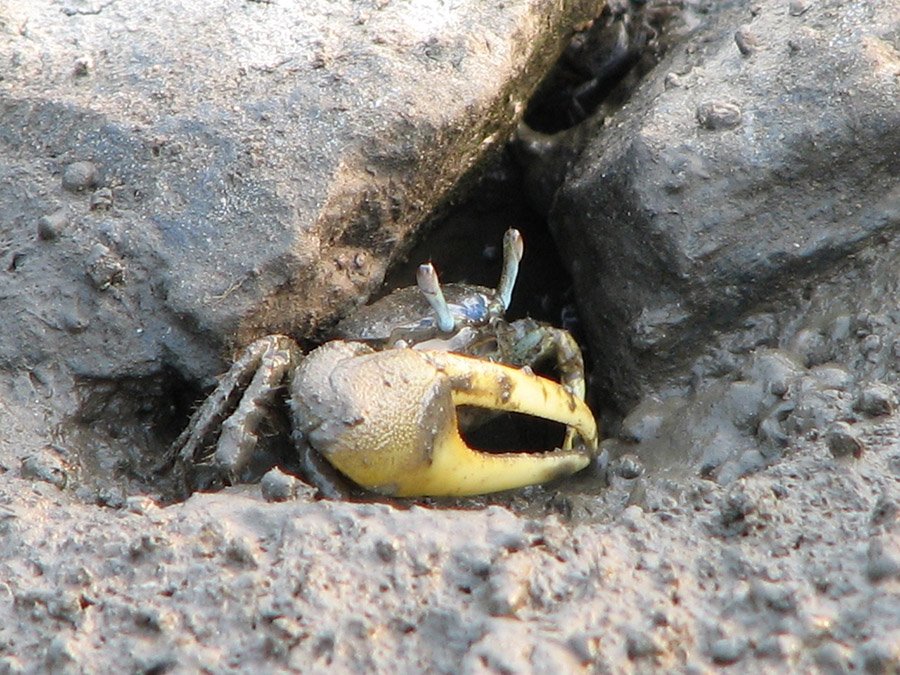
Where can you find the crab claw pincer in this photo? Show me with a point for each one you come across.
(387, 420)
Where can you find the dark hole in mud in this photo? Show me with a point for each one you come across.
(122, 428)
(465, 247)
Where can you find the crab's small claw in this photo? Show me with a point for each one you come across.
(387, 420)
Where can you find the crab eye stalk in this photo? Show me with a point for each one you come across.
(513, 249)
(430, 286)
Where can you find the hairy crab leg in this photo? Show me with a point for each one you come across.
(236, 443)
(569, 364)
(265, 362)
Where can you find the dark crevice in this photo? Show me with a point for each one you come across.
(602, 63)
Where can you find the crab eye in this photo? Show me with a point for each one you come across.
(430, 286)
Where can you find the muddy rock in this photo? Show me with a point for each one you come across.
(249, 168)
(722, 204)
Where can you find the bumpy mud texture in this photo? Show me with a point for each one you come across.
(795, 567)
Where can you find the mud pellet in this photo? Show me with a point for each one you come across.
(798, 7)
(386, 550)
(843, 440)
(101, 199)
(876, 399)
(629, 468)
(718, 115)
(881, 562)
(83, 66)
(79, 176)
(746, 41)
(870, 345)
(36, 468)
(50, 226)
(830, 658)
(277, 486)
(641, 644)
(103, 268)
(673, 80)
(728, 650)
(775, 647)
(885, 512)
(508, 588)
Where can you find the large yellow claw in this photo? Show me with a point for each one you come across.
(387, 420)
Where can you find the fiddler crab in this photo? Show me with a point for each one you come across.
(380, 402)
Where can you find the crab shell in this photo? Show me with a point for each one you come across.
(406, 315)
(387, 419)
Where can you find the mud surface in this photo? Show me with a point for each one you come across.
(796, 567)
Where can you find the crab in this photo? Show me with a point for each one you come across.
(379, 403)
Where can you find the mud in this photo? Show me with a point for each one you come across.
(795, 567)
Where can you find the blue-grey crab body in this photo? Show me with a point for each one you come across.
(405, 317)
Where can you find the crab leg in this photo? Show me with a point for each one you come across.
(266, 360)
(569, 365)
(458, 470)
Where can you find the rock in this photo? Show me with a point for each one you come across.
(746, 40)
(676, 236)
(628, 467)
(102, 199)
(251, 152)
(716, 115)
(52, 225)
(277, 486)
(104, 269)
(44, 469)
